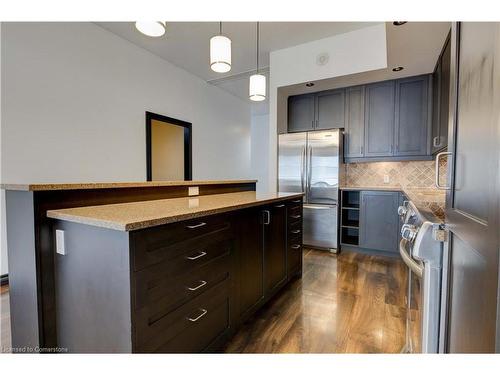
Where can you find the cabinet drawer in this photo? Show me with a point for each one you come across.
(295, 228)
(294, 214)
(154, 245)
(190, 328)
(166, 286)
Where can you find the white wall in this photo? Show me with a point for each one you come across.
(260, 151)
(354, 52)
(75, 108)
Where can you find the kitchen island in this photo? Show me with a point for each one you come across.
(145, 268)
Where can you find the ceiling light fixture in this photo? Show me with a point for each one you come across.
(397, 69)
(220, 52)
(151, 28)
(257, 87)
(399, 23)
(309, 84)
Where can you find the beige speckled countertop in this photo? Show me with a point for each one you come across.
(144, 214)
(429, 201)
(115, 185)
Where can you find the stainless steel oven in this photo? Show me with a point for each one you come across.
(421, 249)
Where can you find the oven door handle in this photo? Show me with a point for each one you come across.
(416, 268)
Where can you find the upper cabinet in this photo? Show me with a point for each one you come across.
(301, 113)
(412, 116)
(441, 99)
(389, 120)
(379, 119)
(320, 111)
(330, 109)
(354, 137)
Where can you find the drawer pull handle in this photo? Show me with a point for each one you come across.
(279, 206)
(201, 284)
(296, 216)
(297, 201)
(296, 231)
(200, 255)
(203, 312)
(196, 226)
(295, 247)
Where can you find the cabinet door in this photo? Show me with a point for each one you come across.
(412, 116)
(250, 260)
(379, 119)
(330, 106)
(379, 220)
(301, 113)
(444, 98)
(354, 122)
(436, 83)
(274, 247)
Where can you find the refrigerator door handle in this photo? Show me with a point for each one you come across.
(302, 167)
(309, 173)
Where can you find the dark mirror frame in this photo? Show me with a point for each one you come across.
(187, 143)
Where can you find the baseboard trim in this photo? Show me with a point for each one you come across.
(4, 279)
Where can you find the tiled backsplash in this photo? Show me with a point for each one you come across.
(410, 174)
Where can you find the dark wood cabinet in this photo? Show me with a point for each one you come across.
(294, 238)
(275, 235)
(379, 119)
(354, 136)
(378, 221)
(250, 260)
(330, 112)
(441, 99)
(412, 116)
(178, 287)
(301, 113)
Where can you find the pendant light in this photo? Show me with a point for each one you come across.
(151, 28)
(257, 87)
(220, 52)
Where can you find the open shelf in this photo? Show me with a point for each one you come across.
(350, 236)
(349, 222)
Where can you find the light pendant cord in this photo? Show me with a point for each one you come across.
(257, 48)
(220, 28)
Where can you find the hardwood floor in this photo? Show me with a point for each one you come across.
(350, 303)
(4, 319)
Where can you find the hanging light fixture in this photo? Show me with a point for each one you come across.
(257, 87)
(220, 52)
(151, 28)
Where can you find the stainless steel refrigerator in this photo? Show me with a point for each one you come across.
(311, 162)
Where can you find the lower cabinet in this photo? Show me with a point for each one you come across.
(274, 247)
(250, 262)
(379, 220)
(370, 220)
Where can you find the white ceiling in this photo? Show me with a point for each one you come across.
(186, 44)
(415, 45)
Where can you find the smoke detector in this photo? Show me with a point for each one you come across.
(322, 58)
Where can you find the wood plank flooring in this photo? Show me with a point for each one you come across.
(350, 303)
(4, 319)
(347, 303)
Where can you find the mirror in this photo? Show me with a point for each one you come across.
(168, 148)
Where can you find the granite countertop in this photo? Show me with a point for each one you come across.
(144, 214)
(115, 185)
(429, 201)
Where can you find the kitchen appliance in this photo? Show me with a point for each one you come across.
(421, 248)
(310, 162)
